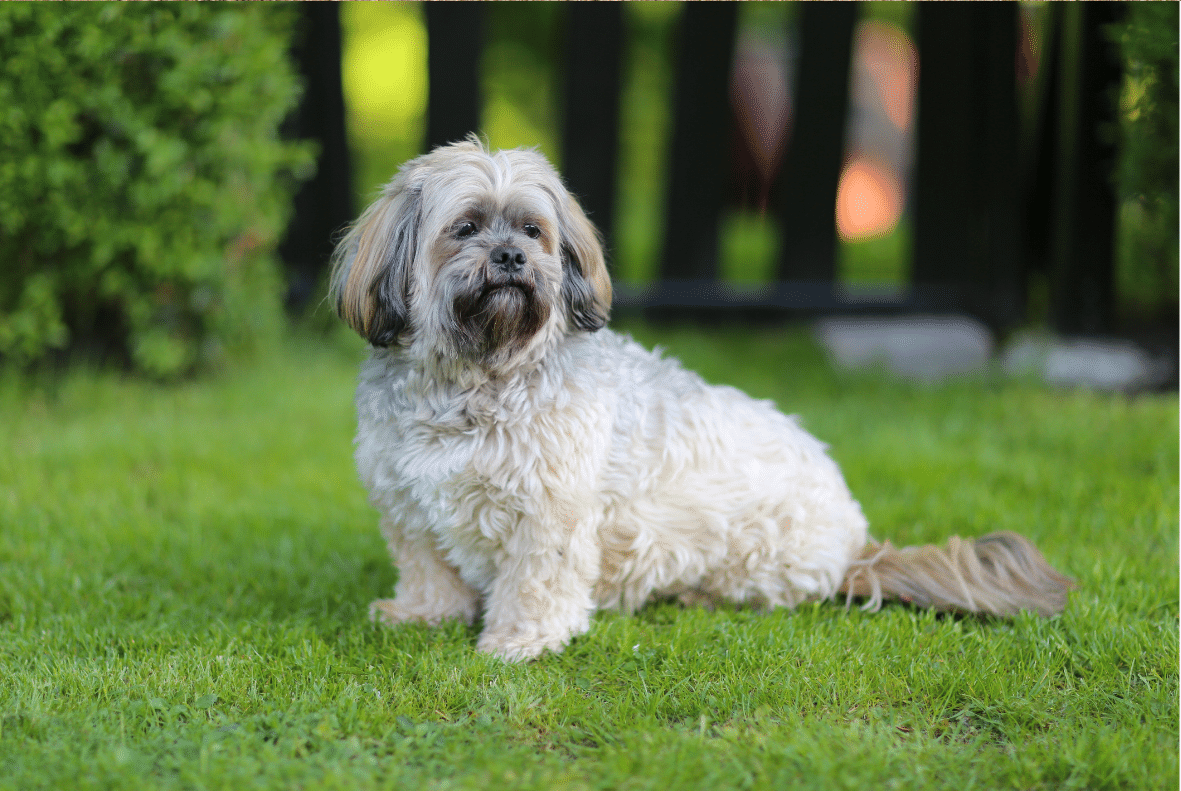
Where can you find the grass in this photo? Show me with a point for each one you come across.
(184, 575)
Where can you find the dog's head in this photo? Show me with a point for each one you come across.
(471, 255)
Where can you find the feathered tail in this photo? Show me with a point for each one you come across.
(998, 574)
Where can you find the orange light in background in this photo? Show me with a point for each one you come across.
(869, 200)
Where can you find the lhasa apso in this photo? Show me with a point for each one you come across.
(531, 466)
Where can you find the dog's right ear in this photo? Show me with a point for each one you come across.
(586, 284)
(371, 263)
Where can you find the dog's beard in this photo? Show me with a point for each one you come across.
(493, 318)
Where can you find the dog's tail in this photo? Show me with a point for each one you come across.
(997, 574)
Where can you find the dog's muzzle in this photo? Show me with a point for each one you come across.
(505, 309)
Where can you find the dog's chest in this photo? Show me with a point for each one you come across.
(477, 479)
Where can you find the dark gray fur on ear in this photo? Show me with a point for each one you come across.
(371, 277)
(390, 314)
(391, 291)
(578, 294)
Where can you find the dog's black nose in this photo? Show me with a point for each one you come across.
(508, 258)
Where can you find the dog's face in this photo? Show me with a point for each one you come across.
(472, 256)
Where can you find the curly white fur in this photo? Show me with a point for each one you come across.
(532, 467)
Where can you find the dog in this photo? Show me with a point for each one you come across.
(531, 466)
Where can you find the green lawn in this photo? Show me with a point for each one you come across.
(184, 575)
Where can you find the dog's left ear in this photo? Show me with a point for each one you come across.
(372, 262)
(586, 286)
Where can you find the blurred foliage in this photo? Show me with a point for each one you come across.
(384, 71)
(386, 82)
(748, 247)
(645, 114)
(1148, 164)
(143, 184)
(385, 78)
(877, 260)
(521, 76)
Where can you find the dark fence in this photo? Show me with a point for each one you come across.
(991, 202)
(325, 203)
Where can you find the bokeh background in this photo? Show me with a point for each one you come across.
(152, 157)
(385, 81)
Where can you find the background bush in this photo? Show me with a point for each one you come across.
(143, 183)
(1147, 169)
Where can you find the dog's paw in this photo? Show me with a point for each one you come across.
(514, 645)
(387, 613)
(391, 612)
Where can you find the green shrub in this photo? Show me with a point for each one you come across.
(1147, 170)
(143, 183)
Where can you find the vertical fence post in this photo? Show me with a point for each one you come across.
(1006, 277)
(948, 239)
(590, 135)
(325, 203)
(701, 123)
(1037, 178)
(454, 46)
(807, 190)
(1082, 241)
(965, 184)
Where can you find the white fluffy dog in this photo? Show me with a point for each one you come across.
(531, 466)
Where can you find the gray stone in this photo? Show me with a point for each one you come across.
(1095, 364)
(927, 348)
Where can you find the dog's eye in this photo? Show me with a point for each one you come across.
(532, 231)
(465, 229)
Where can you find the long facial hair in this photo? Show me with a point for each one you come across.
(496, 315)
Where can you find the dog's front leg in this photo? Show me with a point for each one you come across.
(543, 591)
(428, 590)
